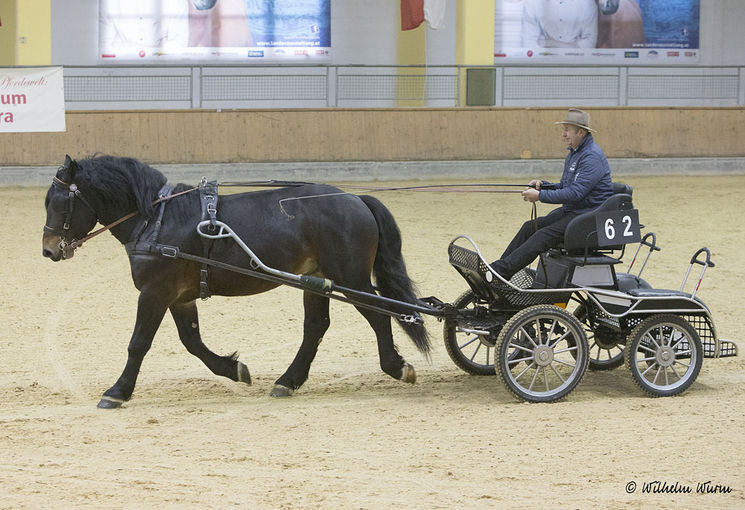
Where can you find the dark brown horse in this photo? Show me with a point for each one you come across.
(329, 233)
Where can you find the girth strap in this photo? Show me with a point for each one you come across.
(208, 199)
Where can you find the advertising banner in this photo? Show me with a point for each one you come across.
(617, 32)
(31, 99)
(214, 30)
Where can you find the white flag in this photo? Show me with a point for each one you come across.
(434, 13)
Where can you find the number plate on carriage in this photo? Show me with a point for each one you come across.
(618, 227)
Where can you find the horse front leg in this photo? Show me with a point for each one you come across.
(151, 308)
(186, 317)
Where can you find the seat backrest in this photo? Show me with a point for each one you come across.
(581, 233)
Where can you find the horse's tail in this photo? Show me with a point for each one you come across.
(389, 269)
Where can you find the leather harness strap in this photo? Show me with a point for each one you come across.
(208, 199)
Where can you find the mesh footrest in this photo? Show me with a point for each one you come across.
(474, 269)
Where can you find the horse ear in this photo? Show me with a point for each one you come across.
(66, 172)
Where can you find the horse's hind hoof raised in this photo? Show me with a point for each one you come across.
(280, 391)
(109, 403)
(408, 374)
(243, 374)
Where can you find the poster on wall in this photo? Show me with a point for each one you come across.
(32, 99)
(581, 32)
(214, 30)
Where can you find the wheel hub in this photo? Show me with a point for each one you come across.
(666, 356)
(543, 355)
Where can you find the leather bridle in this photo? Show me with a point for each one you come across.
(72, 193)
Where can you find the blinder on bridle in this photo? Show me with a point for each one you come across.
(72, 193)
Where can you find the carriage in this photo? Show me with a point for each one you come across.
(539, 331)
(523, 331)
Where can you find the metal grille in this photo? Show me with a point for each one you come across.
(475, 267)
(560, 87)
(127, 88)
(263, 87)
(395, 86)
(682, 87)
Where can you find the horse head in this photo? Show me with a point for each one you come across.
(69, 215)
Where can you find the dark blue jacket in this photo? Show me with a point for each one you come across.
(586, 181)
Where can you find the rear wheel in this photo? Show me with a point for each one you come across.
(471, 352)
(542, 353)
(606, 347)
(664, 355)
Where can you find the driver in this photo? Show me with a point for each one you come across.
(585, 184)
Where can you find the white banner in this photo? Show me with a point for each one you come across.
(31, 99)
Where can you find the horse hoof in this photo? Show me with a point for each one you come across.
(243, 374)
(280, 391)
(408, 374)
(110, 403)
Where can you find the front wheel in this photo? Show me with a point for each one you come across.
(664, 354)
(542, 353)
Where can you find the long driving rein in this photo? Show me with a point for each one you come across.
(74, 192)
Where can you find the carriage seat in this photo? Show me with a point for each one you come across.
(580, 236)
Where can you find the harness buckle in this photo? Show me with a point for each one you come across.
(169, 251)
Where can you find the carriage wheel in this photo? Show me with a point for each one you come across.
(606, 347)
(542, 353)
(472, 353)
(664, 355)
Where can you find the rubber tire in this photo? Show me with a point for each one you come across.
(451, 342)
(514, 324)
(633, 344)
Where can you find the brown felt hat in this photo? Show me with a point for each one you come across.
(577, 117)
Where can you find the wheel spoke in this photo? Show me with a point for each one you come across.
(563, 381)
(680, 339)
(672, 367)
(551, 332)
(468, 343)
(530, 388)
(528, 336)
(648, 349)
(649, 368)
(526, 369)
(538, 332)
(516, 361)
(562, 337)
(647, 359)
(656, 375)
(518, 346)
(681, 363)
(683, 352)
(545, 378)
(478, 346)
(564, 363)
(566, 350)
(653, 339)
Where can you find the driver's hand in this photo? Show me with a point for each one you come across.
(531, 195)
(535, 183)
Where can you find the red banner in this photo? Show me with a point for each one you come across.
(412, 14)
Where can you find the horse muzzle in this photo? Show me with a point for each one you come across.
(56, 249)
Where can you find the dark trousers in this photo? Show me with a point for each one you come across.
(528, 243)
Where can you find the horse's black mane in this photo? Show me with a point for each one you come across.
(121, 184)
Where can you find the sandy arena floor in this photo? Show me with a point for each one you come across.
(352, 437)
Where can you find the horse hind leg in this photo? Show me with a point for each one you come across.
(187, 322)
(315, 325)
(391, 362)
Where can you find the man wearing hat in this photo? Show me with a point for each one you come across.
(585, 184)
